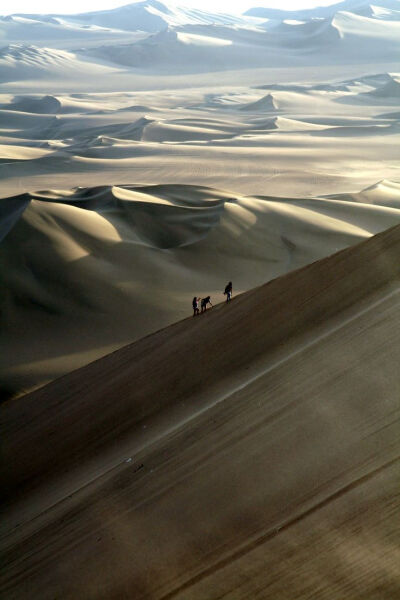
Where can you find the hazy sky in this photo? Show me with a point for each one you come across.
(74, 6)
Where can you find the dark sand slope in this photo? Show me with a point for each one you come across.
(264, 439)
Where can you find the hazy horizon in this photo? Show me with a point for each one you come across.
(79, 6)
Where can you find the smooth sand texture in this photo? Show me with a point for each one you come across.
(217, 148)
(89, 270)
(252, 452)
(151, 153)
(311, 138)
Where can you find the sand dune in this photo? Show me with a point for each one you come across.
(111, 263)
(309, 137)
(218, 48)
(293, 387)
(23, 62)
(10, 213)
(116, 263)
(359, 27)
(153, 16)
(303, 35)
(199, 49)
(125, 24)
(16, 153)
(150, 153)
(50, 104)
(391, 89)
(355, 6)
(45, 105)
(385, 192)
(264, 104)
(58, 32)
(189, 41)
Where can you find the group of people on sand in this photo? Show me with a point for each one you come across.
(205, 302)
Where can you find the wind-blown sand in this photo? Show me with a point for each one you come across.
(251, 451)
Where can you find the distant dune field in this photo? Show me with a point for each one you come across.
(156, 196)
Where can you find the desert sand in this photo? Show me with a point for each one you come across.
(151, 153)
(250, 452)
(87, 271)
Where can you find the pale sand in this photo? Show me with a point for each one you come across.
(311, 139)
(251, 182)
(247, 453)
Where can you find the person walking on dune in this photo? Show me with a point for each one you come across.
(228, 291)
(195, 304)
(204, 303)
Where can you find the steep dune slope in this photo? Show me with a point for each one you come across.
(95, 268)
(250, 452)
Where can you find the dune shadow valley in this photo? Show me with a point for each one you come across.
(154, 445)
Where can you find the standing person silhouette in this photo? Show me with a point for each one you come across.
(228, 291)
(204, 303)
(195, 304)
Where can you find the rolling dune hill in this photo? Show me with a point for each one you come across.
(259, 148)
(58, 32)
(153, 16)
(94, 268)
(21, 62)
(248, 453)
(170, 40)
(315, 138)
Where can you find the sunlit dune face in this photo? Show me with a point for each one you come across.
(73, 232)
